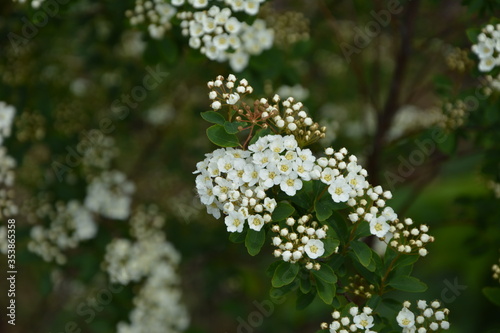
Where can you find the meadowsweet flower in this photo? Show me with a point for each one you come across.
(314, 248)
(406, 318)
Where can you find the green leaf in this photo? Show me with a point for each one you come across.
(279, 293)
(237, 237)
(363, 230)
(330, 244)
(326, 274)
(472, 34)
(362, 252)
(260, 133)
(284, 274)
(303, 300)
(272, 268)
(449, 145)
(493, 294)
(305, 284)
(213, 117)
(406, 260)
(326, 291)
(282, 211)
(374, 301)
(407, 283)
(217, 134)
(254, 241)
(232, 128)
(323, 210)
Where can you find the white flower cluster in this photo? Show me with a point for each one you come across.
(71, 224)
(488, 48)
(300, 236)
(430, 319)
(357, 321)
(157, 305)
(214, 31)
(110, 195)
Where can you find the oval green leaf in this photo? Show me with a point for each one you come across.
(254, 241)
(218, 135)
(284, 274)
(213, 117)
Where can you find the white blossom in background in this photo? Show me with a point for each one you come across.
(71, 224)
(34, 3)
(152, 259)
(7, 113)
(412, 118)
(132, 44)
(160, 114)
(298, 92)
(488, 48)
(7, 164)
(214, 30)
(110, 194)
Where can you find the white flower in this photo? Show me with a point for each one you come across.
(232, 25)
(199, 3)
(221, 42)
(328, 175)
(363, 321)
(314, 248)
(406, 318)
(256, 222)
(251, 7)
(339, 190)
(238, 60)
(422, 304)
(270, 204)
(356, 181)
(379, 227)
(234, 222)
(291, 184)
(487, 64)
(233, 98)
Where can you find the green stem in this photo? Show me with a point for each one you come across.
(384, 278)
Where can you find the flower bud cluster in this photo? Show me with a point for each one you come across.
(356, 320)
(294, 120)
(408, 238)
(359, 287)
(227, 92)
(300, 240)
(454, 115)
(488, 47)
(429, 318)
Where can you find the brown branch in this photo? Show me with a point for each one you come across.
(392, 104)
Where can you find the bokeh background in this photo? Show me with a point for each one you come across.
(381, 102)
